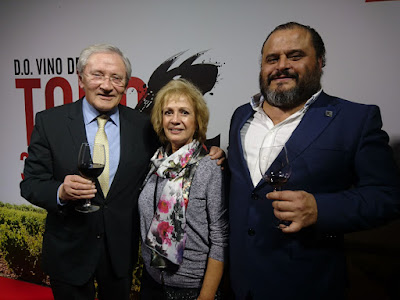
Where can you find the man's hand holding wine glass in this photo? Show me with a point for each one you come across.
(299, 207)
(76, 187)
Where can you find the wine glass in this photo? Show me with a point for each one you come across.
(91, 161)
(275, 170)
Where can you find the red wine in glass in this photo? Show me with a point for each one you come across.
(91, 161)
(91, 170)
(276, 180)
(275, 170)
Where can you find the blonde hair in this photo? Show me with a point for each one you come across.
(180, 87)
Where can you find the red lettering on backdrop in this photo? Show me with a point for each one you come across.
(81, 93)
(49, 92)
(22, 157)
(28, 85)
(139, 85)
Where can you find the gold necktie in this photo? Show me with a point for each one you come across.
(101, 138)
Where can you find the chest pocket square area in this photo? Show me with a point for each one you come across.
(329, 113)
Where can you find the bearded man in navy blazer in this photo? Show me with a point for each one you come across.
(102, 245)
(343, 176)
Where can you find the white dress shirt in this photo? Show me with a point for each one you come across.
(259, 131)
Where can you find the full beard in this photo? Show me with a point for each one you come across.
(289, 99)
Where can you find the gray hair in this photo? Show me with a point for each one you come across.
(102, 48)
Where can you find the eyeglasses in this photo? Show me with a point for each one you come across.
(98, 78)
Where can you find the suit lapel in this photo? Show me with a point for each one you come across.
(320, 114)
(242, 119)
(76, 125)
(125, 150)
(317, 118)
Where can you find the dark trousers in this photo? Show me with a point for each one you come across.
(149, 288)
(110, 287)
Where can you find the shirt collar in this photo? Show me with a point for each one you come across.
(90, 113)
(257, 100)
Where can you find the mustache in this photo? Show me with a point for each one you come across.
(283, 73)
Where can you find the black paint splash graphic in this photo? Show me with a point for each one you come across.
(203, 75)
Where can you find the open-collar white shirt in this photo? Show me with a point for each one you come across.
(259, 131)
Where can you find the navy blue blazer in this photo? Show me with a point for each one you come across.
(340, 155)
(72, 240)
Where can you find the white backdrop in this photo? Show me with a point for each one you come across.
(362, 42)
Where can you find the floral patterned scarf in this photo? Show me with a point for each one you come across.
(167, 235)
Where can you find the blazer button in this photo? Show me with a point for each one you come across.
(251, 232)
(254, 196)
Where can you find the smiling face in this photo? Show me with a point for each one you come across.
(103, 95)
(179, 121)
(290, 72)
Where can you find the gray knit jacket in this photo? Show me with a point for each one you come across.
(206, 227)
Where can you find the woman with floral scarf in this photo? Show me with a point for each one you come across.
(183, 216)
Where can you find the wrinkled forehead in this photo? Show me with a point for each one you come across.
(110, 60)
